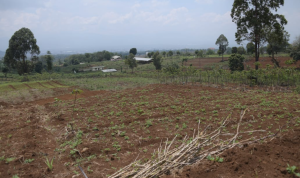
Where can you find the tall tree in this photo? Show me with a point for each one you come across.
(250, 48)
(210, 52)
(277, 39)
(170, 53)
(241, 50)
(131, 62)
(234, 50)
(49, 60)
(164, 53)
(5, 71)
(39, 67)
(157, 60)
(251, 16)
(21, 44)
(236, 62)
(222, 42)
(133, 51)
(228, 50)
(295, 49)
(178, 53)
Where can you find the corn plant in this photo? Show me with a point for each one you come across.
(49, 163)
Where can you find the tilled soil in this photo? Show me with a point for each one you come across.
(264, 62)
(114, 128)
(258, 160)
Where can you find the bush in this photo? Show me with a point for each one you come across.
(236, 62)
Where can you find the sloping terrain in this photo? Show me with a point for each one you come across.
(106, 130)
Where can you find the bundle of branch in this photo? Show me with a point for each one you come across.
(192, 149)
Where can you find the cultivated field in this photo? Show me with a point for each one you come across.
(250, 61)
(104, 131)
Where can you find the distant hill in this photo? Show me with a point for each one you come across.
(2, 54)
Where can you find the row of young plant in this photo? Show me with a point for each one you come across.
(261, 77)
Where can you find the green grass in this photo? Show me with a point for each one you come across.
(4, 87)
(109, 83)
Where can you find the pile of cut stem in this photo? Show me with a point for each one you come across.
(192, 150)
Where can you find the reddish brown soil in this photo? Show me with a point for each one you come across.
(264, 61)
(30, 131)
(58, 83)
(42, 85)
(257, 160)
(49, 83)
(28, 86)
(12, 87)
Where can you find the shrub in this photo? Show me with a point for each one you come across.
(236, 62)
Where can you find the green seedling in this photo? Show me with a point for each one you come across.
(292, 170)
(49, 163)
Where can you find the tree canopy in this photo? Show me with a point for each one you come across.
(170, 53)
(251, 16)
(234, 50)
(277, 39)
(157, 60)
(21, 44)
(210, 52)
(295, 49)
(250, 48)
(241, 50)
(236, 62)
(222, 42)
(133, 51)
(131, 62)
(49, 60)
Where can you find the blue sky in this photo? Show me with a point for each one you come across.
(93, 25)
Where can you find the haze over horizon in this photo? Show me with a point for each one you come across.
(115, 25)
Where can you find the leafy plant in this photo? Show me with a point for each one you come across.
(49, 163)
(292, 170)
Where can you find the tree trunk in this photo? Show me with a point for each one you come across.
(256, 53)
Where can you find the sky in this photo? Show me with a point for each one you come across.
(118, 25)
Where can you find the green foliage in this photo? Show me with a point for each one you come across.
(133, 51)
(39, 67)
(49, 163)
(49, 60)
(252, 16)
(295, 49)
(76, 91)
(277, 38)
(21, 43)
(172, 68)
(170, 53)
(222, 42)
(76, 59)
(292, 170)
(5, 71)
(234, 50)
(216, 159)
(15, 176)
(236, 62)
(131, 62)
(241, 50)
(250, 48)
(210, 52)
(157, 60)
